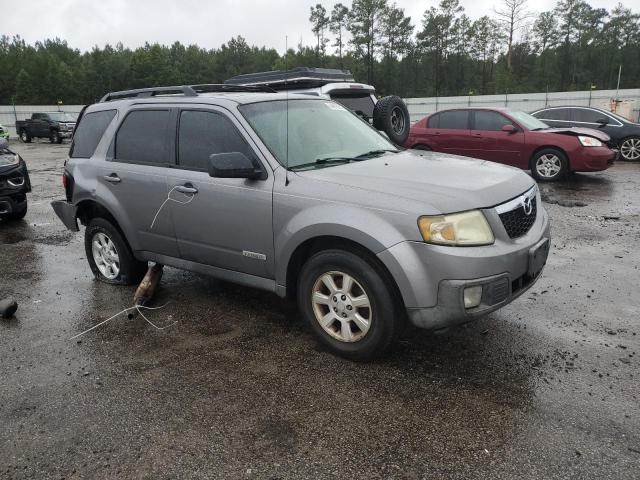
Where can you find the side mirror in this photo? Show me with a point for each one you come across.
(233, 165)
(602, 121)
(508, 128)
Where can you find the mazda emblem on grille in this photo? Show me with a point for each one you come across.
(527, 206)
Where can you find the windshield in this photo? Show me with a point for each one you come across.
(318, 129)
(62, 117)
(528, 121)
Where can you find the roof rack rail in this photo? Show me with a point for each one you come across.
(300, 77)
(186, 90)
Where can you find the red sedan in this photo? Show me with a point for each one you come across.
(513, 138)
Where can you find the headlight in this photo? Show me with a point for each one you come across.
(589, 141)
(461, 229)
(7, 158)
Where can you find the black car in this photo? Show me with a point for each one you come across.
(625, 135)
(14, 184)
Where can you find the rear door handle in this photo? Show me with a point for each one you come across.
(113, 178)
(187, 188)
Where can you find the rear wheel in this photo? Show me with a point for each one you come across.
(630, 149)
(25, 137)
(549, 165)
(348, 304)
(109, 255)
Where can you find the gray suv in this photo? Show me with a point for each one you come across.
(299, 196)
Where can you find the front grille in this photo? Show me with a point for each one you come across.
(516, 222)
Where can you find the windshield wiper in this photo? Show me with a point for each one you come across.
(539, 128)
(326, 161)
(374, 153)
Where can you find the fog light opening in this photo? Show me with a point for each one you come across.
(472, 296)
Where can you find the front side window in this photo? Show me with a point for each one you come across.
(490, 121)
(89, 133)
(142, 137)
(454, 120)
(554, 114)
(202, 134)
(317, 130)
(587, 116)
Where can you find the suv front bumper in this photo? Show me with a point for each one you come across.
(432, 279)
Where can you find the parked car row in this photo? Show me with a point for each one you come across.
(514, 138)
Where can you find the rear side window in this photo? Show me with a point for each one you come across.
(454, 119)
(554, 114)
(202, 134)
(489, 121)
(142, 137)
(90, 130)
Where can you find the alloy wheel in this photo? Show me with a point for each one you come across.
(105, 255)
(630, 149)
(341, 306)
(397, 120)
(548, 165)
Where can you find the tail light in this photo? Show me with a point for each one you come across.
(67, 183)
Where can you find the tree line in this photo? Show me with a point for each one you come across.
(512, 50)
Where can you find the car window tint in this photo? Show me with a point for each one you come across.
(434, 121)
(554, 114)
(142, 137)
(490, 121)
(89, 132)
(454, 119)
(202, 134)
(589, 116)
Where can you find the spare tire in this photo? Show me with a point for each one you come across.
(392, 117)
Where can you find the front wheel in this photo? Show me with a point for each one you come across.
(348, 304)
(55, 137)
(630, 149)
(25, 137)
(549, 165)
(109, 255)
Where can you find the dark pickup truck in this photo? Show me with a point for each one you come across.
(55, 126)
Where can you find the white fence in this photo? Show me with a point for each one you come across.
(628, 104)
(10, 113)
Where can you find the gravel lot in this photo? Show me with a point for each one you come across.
(548, 387)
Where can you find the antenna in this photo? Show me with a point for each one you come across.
(286, 68)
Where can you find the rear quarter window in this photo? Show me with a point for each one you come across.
(89, 133)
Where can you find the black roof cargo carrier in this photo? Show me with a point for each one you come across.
(301, 77)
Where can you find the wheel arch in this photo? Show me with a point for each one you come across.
(89, 209)
(553, 147)
(313, 245)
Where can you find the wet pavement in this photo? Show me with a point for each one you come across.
(547, 387)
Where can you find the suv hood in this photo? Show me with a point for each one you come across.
(448, 183)
(575, 131)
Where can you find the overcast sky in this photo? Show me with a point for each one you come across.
(208, 23)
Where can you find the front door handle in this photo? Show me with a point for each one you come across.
(187, 188)
(113, 178)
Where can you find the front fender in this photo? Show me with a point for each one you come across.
(367, 227)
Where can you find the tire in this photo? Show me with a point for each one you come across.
(549, 165)
(16, 214)
(25, 137)
(384, 322)
(55, 137)
(119, 269)
(630, 149)
(392, 117)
